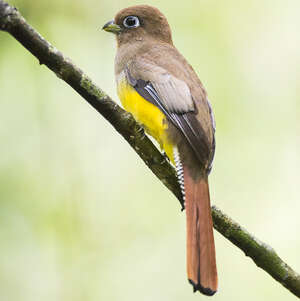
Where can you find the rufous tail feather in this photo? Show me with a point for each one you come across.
(201, 257)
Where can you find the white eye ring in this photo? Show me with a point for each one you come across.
(131, 22)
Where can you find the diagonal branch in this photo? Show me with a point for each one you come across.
(264, 256)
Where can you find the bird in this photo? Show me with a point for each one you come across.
(157, 85)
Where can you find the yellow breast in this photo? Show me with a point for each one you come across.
(147, 114)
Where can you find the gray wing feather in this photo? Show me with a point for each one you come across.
(174, 93)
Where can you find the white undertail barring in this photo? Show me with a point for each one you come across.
(179, 171)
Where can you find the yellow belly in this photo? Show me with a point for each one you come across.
(147, 114)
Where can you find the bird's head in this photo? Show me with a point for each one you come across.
(137, 23)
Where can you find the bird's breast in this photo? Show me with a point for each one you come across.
(147, 114)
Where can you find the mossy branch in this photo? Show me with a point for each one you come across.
(264, 256)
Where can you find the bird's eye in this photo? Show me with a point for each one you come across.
(131, 22)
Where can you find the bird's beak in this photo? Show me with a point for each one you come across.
(111, 27)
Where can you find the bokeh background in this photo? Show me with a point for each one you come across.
(82, 218)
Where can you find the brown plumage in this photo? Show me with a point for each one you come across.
(149, 64)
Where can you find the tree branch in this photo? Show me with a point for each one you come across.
(264, 256)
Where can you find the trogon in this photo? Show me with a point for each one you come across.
(161, 90)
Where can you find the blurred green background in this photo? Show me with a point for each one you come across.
(82, 218)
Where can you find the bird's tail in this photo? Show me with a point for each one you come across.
(201, 257)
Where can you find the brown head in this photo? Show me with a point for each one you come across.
(137, 23)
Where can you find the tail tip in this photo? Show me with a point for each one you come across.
(204, 290)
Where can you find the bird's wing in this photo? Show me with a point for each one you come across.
(173, 97)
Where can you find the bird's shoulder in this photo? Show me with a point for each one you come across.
(167, 57)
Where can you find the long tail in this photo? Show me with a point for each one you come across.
(201, 255)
